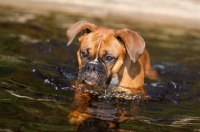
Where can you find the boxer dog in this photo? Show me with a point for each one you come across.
(107, 53)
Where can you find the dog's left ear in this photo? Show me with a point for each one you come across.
(78, 29)
(133, 42)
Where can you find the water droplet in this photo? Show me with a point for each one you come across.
(128, 96)
(96, 93)
(65, 88)
(78, 88)
(86, 90)
(99, 97)
(104, 96)
(159, 66)
(34, 70)
(148, 96)
(46, 81)
(68, 75)
(91, 91)
(154, 84)
(172, 84)
(136, 96)
(56, 88)
(175, 102)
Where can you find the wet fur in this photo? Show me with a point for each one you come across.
(133, 61)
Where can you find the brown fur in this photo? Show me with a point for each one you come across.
(133, 61)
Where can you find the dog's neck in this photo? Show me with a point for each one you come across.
(135, 78)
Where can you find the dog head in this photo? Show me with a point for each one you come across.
(102, 51)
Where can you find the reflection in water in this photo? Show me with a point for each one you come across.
(93, 113)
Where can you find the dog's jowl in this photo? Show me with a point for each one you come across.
(106, 53)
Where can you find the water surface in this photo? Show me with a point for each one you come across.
(38, 73)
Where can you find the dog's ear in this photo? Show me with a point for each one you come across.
(133, 42)
(78, 29)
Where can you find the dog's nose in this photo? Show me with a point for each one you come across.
(92, 68)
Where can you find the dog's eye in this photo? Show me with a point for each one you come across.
(83, 54)
(109, 58)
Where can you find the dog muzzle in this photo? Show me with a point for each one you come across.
(93, 73)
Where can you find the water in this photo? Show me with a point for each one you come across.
(38, 89)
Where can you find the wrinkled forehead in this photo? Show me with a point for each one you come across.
(101, 40)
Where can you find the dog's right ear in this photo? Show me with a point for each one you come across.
(78, 29)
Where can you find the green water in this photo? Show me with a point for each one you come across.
(37, 70)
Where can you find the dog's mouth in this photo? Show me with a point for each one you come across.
(97, 77)
(90, 82)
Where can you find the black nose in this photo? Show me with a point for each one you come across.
(91, 68)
